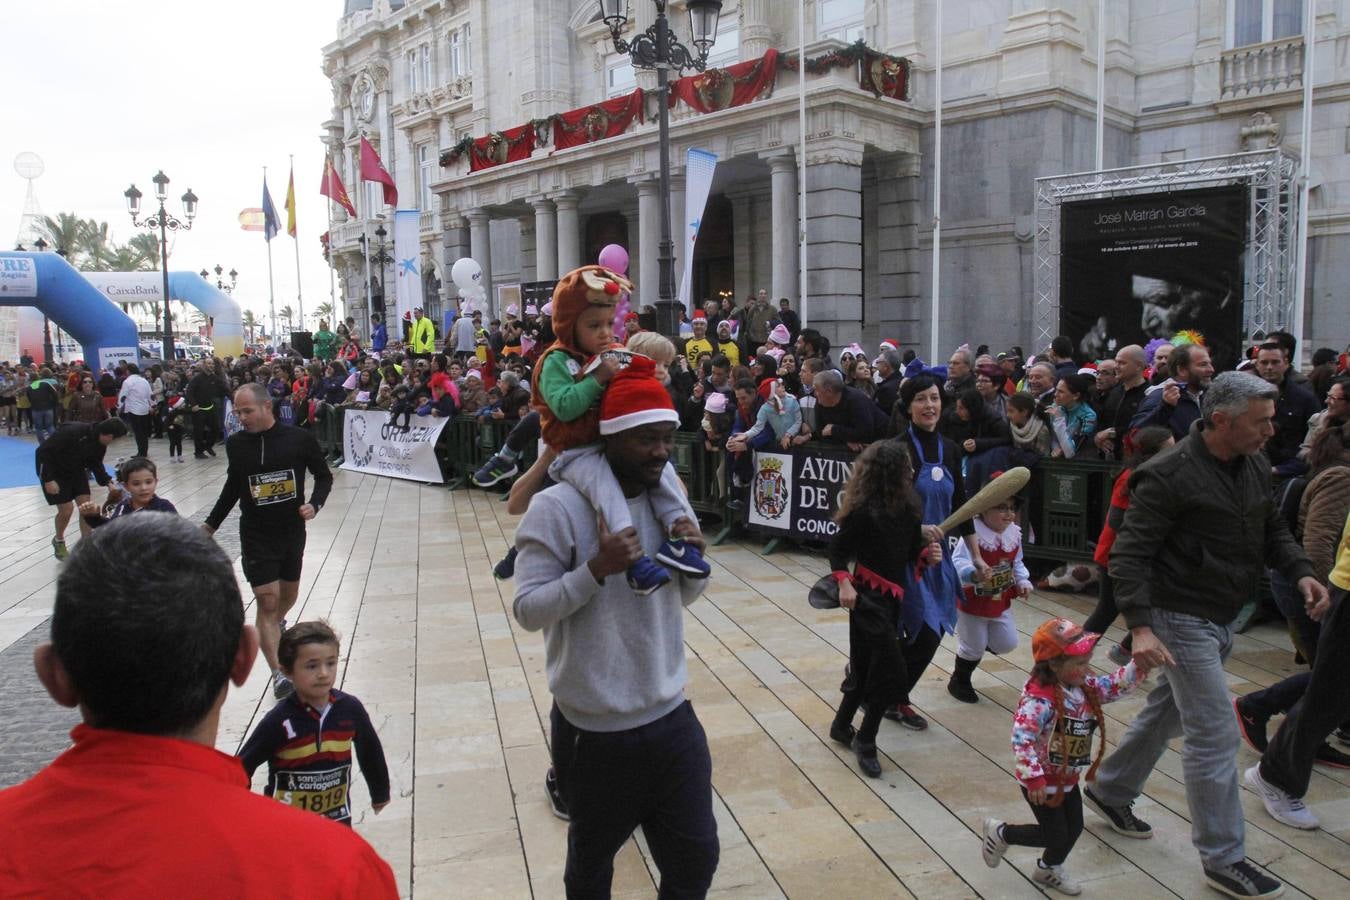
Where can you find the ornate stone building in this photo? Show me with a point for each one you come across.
(1184, 79)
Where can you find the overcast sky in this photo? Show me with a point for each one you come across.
(107, 93)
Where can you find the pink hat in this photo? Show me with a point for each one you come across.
(512, 310)
(531, 309)
(856, 349)
(776, 352)
(716, 403)
(780, 335)
(548, 309)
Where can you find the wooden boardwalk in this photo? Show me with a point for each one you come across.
(458, 693)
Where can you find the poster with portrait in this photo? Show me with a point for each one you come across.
(1148, 266)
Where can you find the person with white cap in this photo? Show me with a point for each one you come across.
(726, 341)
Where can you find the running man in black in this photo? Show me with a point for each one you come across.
(267, 464)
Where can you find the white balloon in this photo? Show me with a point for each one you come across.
(466, 273)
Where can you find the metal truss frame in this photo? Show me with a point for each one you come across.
(1270, 177)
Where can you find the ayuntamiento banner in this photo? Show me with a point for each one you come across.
(1148, 266)
(797, 493)
(374, 445)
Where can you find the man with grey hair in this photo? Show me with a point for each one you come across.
(890, 369)
(1041, 381)
(845, 414)
(1200, 527)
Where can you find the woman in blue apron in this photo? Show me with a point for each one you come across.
(929, 608)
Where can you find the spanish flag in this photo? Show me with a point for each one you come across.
(290, 204)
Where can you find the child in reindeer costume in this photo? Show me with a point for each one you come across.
(572, 376)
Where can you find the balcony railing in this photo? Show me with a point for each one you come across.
(1259, 69)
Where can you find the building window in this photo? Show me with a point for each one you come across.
(461, 62)
(840, 19)
(727, 49)
(426, 159)
(413, 81)
(468, 51)
(620, 78)
(1258, 21)
(427, 80)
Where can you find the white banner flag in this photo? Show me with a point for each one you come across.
(376, 446)
(698, 179)
(407, 263)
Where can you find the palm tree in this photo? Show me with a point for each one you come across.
(250, 322)
(324, 311)
(93, 245)
(287, 315)
(65, 232)
(147, 245)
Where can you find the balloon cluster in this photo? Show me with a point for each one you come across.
(468, 277)
(615, 258)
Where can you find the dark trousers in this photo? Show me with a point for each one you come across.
(1057, 828)
(658, 776)
(140, 428)
(1288, 761)
(1104, 616)
(917, 654)
(175, 441)
(157, 420)
(526, 433)
(203, 430)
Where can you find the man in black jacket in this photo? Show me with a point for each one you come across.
(1294, 407)
(64, 463)
(268, 461)
(1122, 401)
(1200, 527)
(203, 396)
(888, 390)
(845, 414)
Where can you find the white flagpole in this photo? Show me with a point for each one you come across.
(299, 298)
(271, 292)
(1305, 185)
(801, 170)
(1101, 80)
(935, 305)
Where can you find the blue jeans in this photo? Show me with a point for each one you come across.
(44, 423)
(1191, 701)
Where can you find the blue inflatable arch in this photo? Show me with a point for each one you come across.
(48, 282)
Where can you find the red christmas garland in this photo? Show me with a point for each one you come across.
(595, 123)
(511, 145)
(718, 89)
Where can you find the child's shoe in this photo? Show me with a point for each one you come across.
(645, 576)
(1055, 878)
(994, 844)
(1119, 655)
(678, 553)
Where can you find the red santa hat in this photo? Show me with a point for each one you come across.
(635, 398)
(700, 316)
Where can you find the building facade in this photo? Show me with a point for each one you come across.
(1184, 79)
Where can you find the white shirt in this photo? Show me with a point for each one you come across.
(134, 397)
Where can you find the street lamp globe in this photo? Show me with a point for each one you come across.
(703, 18)
(205, 274)
(190, 205)
(161, 186)
(133, 201)
(615, 13)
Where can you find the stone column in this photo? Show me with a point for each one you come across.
(480, 248)
(834, 240)
(569, 232)
(897, 310)
(648, 238)
(676, 226)
(742, 259)
(528, 264)
(545, 240)
(456, 243)
(756, 33)
(783, 180)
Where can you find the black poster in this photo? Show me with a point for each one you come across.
(797, 492)
(1143, 267)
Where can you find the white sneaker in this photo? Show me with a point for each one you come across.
(1055, 878)
(994, 844)
(1282, 807)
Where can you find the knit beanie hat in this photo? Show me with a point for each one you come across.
(635, 398)
(716, 403)
(780, 335)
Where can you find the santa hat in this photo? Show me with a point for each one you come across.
(635, 398)
(716, 403)
(1089, 370)
(780, 335)
(631, 317)
(700, 316)
(890, 344)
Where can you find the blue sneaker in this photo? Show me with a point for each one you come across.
(684, 556)
(645, 576)
(495, 470)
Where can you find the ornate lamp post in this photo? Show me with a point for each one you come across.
(165, 223)
(656, 48)
(380, 258)
(220, 286)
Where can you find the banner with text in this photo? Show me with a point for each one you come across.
(797, 494)
(699, 167)
(376, 446)
(1142, 267)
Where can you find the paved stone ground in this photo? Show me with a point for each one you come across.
(33, 729)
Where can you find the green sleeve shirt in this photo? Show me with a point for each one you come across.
(567, 397)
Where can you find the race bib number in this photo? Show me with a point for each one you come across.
(272, 487)
(1000, 581)
(324, 792)
(1071, 744)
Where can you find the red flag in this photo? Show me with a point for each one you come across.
(373, 170)
(333, 189)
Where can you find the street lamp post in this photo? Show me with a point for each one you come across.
(47, 356)
(657, 48)
(164, 223)
(380, 258)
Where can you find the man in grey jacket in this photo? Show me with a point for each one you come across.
(1200, 528)
(627, 747)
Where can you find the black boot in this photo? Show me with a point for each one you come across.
(959, 685)
(867, 758)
